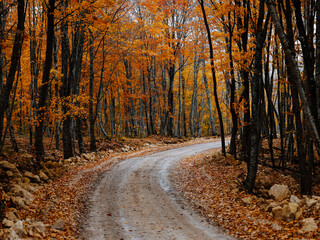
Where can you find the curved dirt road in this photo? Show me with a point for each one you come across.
(135, 201)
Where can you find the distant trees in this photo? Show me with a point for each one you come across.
(75, 70)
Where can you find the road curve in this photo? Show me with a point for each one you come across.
(135, 201)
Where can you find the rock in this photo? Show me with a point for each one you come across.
(277, 213)
(7, 166)
(49, 158)
(264, 182)
(8, 234)
(308, 225)
(298, 214)
(18, 228)
(279, 192)
(294, 199)
(311, 202)
(25, 180)
(11, 169)
(18, 201)
(53, 165)
(12, 215)
(264, 193)
(289, 211)
(284, 202)
(19, 191)
(7, 223)
(47, 172)
(38, 227)
(271, 206)
(58, 225)
(27, 157)
(316, 198)
(246, 200)
(33, 178)
(276, 226)
(43, 176)
(29, 187)
(85, 156)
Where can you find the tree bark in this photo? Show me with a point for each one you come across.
(93, 146)
(294, 69)
(252, 165)
(215, 92)
(205, 80)
(15, 57)
(43, 95)
(65, 90)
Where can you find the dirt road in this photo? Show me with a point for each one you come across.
(136, 201)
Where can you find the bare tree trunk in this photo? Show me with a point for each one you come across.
(93, 146)
(164, 120)
(9, 115)
(141, 122)
(318, 55)
(170, 112)
(15, 57)
(65, 90)
(294, 69)
(215, 92)
(205, 80)
(184, 118)
(43, 95)
(56, 89)
(252, 165)
(194, 102)
(233, 148)
(179, 97)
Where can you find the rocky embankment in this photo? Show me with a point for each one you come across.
(19, 187)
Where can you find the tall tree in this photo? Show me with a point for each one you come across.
(15, 57)
(43, 95)
(256, 85)
(215, 91)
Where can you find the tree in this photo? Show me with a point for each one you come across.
(44, 89)
(252, 165)
(201, 2)
(15, 57)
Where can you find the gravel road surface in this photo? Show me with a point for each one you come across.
(135, 200)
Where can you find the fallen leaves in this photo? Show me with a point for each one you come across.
(211, 183)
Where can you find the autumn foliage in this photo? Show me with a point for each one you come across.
(76, 71)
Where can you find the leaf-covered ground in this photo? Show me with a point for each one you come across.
(64, 198)
(212, 183)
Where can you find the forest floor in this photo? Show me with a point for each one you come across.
(210, 182)
(59, 202)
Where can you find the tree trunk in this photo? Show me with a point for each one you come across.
(170, 112)
(252, 165)
(43, 95)
(194, 102)
(318, 55)
(65, 90)
(15, 57)
(205, 80)
(93, 146)
(233, 148)
(215, 91)
(294, 69)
